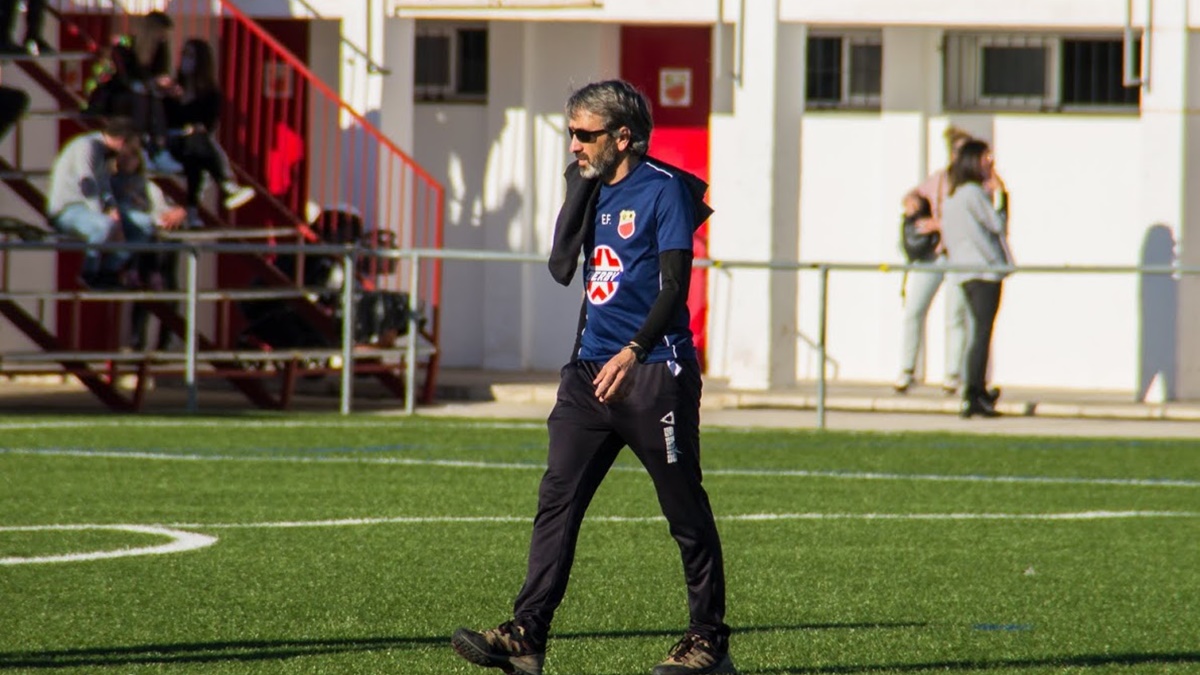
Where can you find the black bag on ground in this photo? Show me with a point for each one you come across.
(382, 316)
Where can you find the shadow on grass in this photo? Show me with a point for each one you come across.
(206, 652)
(998, 665)
(278, 650)
(275, 650)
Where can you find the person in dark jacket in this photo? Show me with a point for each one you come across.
(141, 81)
(192, 115)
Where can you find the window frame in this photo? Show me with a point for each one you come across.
(846, 100)
(451, 90)
(962, 68)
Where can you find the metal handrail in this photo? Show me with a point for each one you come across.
(193, 295)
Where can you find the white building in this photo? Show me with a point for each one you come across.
(811, 118)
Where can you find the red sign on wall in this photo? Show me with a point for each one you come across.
(675, 87)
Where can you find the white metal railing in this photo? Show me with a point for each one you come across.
(350, 253)
(191, 295)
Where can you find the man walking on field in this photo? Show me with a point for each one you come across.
(633, 380)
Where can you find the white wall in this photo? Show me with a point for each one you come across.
(1075, 182)
(502, 163)
(1072, 204)
(453, 147)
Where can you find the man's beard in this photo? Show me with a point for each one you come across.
(602, 164)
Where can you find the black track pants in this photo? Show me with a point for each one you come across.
(660, 421)
(983, 297)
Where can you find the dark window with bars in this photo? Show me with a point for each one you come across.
(866, 69)
(843, 71)
(451, 64)
(824, 70)
(432, 61)
(472, 62)
(1092, 73)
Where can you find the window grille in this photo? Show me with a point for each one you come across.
(450, 63)
(1035, 72)
(1091, 73)
(844, 71)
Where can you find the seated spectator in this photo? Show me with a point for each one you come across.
(13, 104)
(142, 204)
(192, 116)
(81, 202)
(33, 44)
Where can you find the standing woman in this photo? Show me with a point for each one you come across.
(975, 234)
(920, 285)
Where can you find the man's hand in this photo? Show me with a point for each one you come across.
(172, 218)
(615, 378)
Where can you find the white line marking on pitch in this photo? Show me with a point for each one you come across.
(129, 423)
(747, 517)
(179, 541)
(188, 541)
(463, 464)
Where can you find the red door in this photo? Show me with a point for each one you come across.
(672, 66)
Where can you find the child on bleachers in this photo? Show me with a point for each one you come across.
(141, 202)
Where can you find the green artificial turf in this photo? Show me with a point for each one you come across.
(358, 545)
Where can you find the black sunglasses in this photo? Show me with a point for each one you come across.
(586, 136)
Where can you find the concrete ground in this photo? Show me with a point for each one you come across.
(853, 407)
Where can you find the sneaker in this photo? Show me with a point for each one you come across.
(193, 221)
(951, 385)
(505, 647)
(695, 654)
(236, 195)
(903, 382)
(164, 162)
(38, 47)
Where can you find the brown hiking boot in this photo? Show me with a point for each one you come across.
(505, 647)
(696, 655)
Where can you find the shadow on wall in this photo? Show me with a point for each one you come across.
(360, 159)
(1159, 311)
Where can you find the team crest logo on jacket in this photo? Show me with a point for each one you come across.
(603, 275)
(626, 226)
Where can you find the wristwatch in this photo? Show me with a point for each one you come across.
(638, 353)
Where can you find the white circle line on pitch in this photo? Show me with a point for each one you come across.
(180, 541)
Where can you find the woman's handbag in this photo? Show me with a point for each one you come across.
(918, 246)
